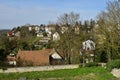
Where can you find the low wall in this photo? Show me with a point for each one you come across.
(37, 68)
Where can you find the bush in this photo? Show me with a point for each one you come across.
(113, 64)
(91, 64)
(4, 68)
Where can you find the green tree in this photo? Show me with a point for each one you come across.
(24, 32)
(109, 27)
(2, 55)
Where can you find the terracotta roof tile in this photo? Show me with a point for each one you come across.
(40, 57)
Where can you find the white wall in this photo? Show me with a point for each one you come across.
(38, 68)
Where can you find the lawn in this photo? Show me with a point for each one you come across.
(86, 73)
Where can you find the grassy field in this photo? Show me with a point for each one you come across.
(92, 73)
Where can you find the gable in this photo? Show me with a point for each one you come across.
(55, 55)
(88, 45)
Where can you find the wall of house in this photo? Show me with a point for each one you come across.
(38, 68)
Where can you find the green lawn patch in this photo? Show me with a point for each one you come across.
(86, 73)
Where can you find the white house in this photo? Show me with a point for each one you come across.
(88, 51)
(47, 30)
(30, 28)
(17, 34)
(56, 36)
(49, 33)
(40, 35)
(88, 45)
(64, 29)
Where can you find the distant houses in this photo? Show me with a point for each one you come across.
(52, 31)
(45, 35)
(13, 33)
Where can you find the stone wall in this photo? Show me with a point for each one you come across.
(38, 68)
(116, 72)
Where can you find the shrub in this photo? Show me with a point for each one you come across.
(113, 64)
(91, 64)
(4, 68)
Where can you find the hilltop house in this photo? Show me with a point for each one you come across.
(88, 51)
(64, 28)
(13, 34)
(77, 29)
(40, 34)
(56, 36)
(39, 57)
(34, 27)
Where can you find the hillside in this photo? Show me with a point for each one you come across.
(4, 31)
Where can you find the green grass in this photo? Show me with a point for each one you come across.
(91, 73)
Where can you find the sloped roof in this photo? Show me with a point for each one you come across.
(37, 57)
(55, 55)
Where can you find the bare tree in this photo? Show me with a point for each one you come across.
(68, 18)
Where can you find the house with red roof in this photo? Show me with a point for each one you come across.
(39, 57)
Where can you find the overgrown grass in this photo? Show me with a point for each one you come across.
(113, 64)
(87, 73)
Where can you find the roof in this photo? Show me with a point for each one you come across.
(37, 57)
(55, 55)
(10, 33)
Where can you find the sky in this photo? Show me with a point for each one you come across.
(15, 13)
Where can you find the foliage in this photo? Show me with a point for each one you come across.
(109, 28)
(2, 55)
(101, 56)
(19, 62)
(24, 32)
(91, 73)
(70, 43)
(45, 34)
(113, 64)
(3, 64)
(91, 64)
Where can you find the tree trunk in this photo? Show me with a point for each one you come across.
(109, 55)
